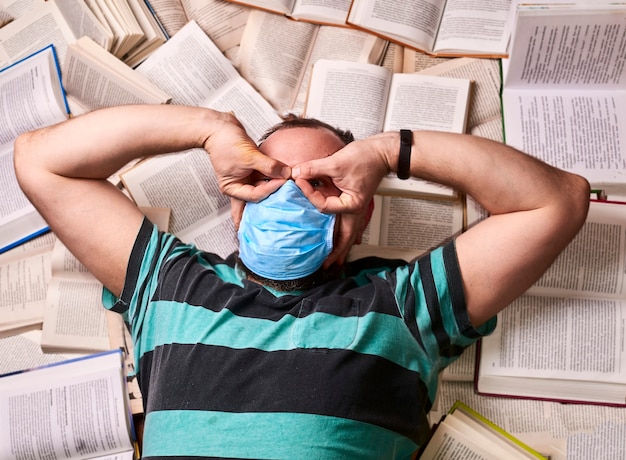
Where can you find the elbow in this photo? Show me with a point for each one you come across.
(23, 165)
(577, 206)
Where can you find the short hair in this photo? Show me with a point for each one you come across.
(293, 121)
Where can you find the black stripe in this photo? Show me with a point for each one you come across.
(335, 383)
(184, 279)
(410, 318)
(136, 258)
(457, 292)
(434, 308)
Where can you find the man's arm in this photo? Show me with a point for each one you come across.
(535, 209)
(63, 170)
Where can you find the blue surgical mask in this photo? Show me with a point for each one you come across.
(285, 237)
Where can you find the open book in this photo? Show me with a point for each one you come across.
(564, 339)
(136, 33)
(485, 118)
(180, 68)
(276, 55)
(440, 27)
(52, 21)
(413, 223)
(369, 99)
(558, 431)
(72, 409)
(223, 22)
(23, 285)
(186, 183)
(74, 320)
(563, 98)
(331, 12)
(94, 78)
(463, 433)
(34, 97)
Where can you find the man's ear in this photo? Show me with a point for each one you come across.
(236, 211)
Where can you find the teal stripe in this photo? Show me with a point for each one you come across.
(157, 248)
(275, 435)
(178, 322)
(402, 284)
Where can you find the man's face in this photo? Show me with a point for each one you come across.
(292, 146)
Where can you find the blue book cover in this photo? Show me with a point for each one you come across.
(30, 224)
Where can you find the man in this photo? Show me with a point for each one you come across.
(332, 368)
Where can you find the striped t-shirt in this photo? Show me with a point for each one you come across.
(228, 368)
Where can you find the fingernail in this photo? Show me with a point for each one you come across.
(295, 172)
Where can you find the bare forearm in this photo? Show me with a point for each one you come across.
(499, 177)
(98, 144)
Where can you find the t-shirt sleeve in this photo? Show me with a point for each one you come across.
(432, 295)
(149, 252)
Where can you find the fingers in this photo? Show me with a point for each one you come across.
(346, 202)
(234, 162)
(257, 161)
(249, 192)
(236, 211)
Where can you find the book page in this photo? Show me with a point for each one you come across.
(37, 245)
(83, 22)
(154, 34)
(581, 41)
(350, 95)
(32, 96)
(565, 110)
(411, 23)
(23, 285)
(255, 114)
(562, 431)
(44, 24)
(5, 17)
(77, 407)
(23, 351)
(478, 27)
(394, 57)
(427, 102)
(339, 43)
(415, 61)
(222, 21)
(32, 99)
(419, 224)
(74, 318)
(188, 67)
(450, 443)
(594, 263)
(170, 14)
(463, 368)
(273, 55)
(322, 11)
(193, 71)
(560, 339)
(485, 104)
(197, 206)
(580, 132)
(97, 79)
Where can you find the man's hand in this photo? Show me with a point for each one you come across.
(235, 156)
(356, 170)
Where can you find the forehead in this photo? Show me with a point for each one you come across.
(295, 145)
